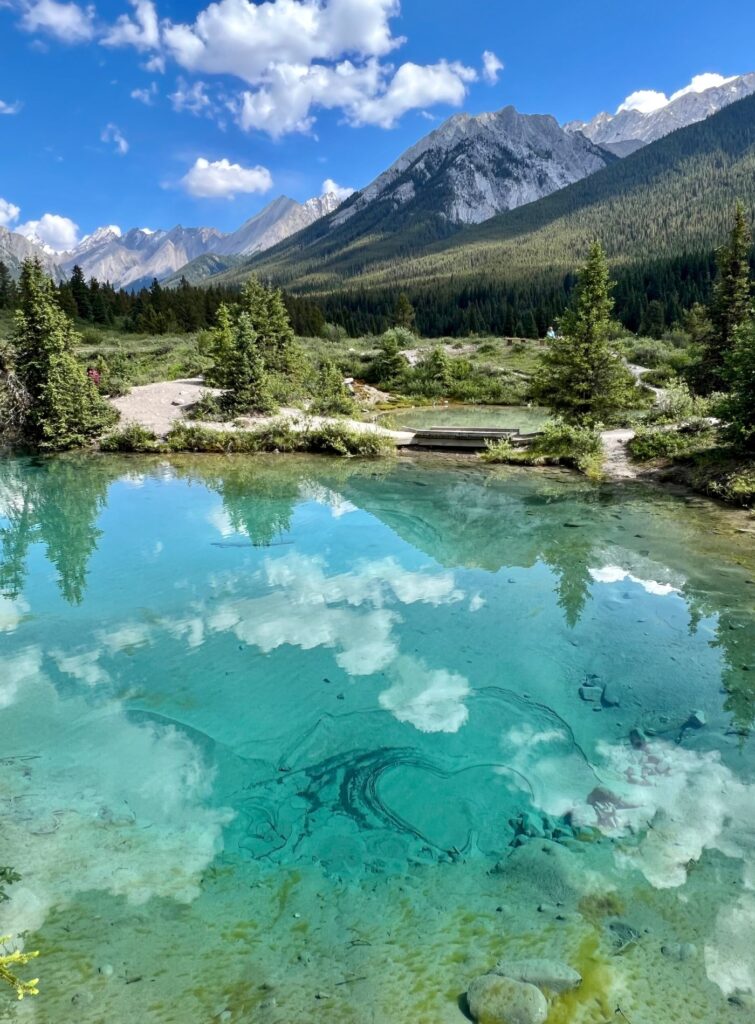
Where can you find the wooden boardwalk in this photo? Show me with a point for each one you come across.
(467, 438)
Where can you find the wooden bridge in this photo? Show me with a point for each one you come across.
(468, 438)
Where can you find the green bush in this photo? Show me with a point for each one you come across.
(559, 444)
(678, 404)
(649, 443)
(133, 438)
(280, 436)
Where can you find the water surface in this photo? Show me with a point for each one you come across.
(293, 740)
(520, 417)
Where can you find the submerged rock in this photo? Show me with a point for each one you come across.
(494, 999)
(591, 693)
(545, 974)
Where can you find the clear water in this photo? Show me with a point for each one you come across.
(521, 417)
(269, 729)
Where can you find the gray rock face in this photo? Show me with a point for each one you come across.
(494, 999)
(474, 167)
(552, 975)
(616, 131)
(15, 248)
(135, 258)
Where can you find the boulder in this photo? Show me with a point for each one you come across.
(552, 975)
(493, 999)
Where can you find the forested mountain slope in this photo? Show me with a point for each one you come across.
(660, 212)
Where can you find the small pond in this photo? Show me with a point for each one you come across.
(522, 417)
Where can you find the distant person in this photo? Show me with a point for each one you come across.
(551, 333)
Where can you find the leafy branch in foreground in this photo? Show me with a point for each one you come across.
(8, 963)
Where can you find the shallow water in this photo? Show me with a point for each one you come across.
(520, 417)
(275, 731)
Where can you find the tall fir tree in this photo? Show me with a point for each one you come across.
(581, 378)
(732, 298)
(403, 313)
(62, 407)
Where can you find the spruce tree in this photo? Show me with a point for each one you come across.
(6, 287)
(62, 407)
(251, 385)
(581, 378)
(732, 298)
(403, 313)
(80, 293)
(740, 376)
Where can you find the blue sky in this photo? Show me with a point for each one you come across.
(137, 113)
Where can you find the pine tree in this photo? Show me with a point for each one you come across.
(62, 407)
(7, 288)
(403, 313)
(732, 297)
(740, 376)
(331, 396)
(580, 377)
(80, 293)
(251, 386)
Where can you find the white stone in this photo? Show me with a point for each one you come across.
(494, 999)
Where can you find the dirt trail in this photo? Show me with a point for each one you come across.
(159, 407)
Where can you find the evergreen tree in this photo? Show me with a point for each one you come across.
(251, 386)
(62, 407)
(580, 377)
(80, 293)
(403, 313)
(654, 321)
(389, 366)
(331, 396)
(7, 287)
(732, 297)
(740, 375)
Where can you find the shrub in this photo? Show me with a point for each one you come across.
(331, 397)
(649, 443)
(280, 436)
(559, 444)
(678, 404)
(133, 438)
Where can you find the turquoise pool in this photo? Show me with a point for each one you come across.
(292, 739)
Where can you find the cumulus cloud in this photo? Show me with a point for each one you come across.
(492, 67)
(429, 699)
(145, 96)
(9, 108)
(332, 188)
(647, 101)
(140, 31)
(56, 232)
(112, 133)
(193, 98)
(413, 86)
(220, 179)
(296, 56)
(65, 21)
(615, 574)
(8, 213)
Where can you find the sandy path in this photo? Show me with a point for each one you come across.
(159, 407)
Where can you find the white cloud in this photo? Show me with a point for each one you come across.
(413, 86)
(700, 83)
(647, 101)
(222, 179)
(330, 187)
(296, 56)
(66, 21)
(8, 213)
(142, 31)
(9, 108)
(56, 232)
(615, 574)
(492, 67)
(429, 699)
(193, 98)
(245, 39)
(112, 133)
(145, 96)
